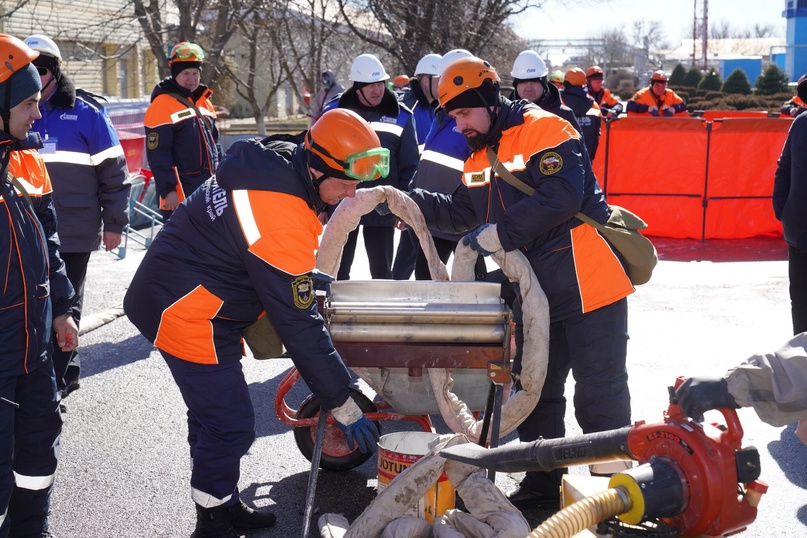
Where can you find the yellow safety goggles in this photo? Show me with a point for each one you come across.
(190, 50)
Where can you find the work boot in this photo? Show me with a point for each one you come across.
(244, 517)
(214, 523)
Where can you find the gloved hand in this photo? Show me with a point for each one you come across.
(669, 112)
(383, 209)
(653, 111)
(357, 428)
(484, 240)
(699, 394)
(322, 281)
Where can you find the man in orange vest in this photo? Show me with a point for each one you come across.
(610, 106)
(656, 99)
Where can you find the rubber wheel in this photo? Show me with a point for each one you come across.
(336, 455)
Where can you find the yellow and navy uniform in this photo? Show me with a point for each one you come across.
(643, 99)
(182, 148)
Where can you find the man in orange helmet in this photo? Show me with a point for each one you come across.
(795, 106)
(581, 273)
(585, 109)
(656, 99)
(610, 106)
(243, 245)
(181, 134)
(35, 304)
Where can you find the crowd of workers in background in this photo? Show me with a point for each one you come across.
(437, 136)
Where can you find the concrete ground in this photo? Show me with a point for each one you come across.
(124, 469)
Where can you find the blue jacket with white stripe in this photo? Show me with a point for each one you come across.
(86, 165)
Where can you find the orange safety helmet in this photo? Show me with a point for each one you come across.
(465, 74)
(14, 55)
(343, 145)
(186, 51)
(595, 71)
(400, 80)
(658, 76)
(575, 77)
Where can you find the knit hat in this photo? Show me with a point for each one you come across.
(801, 89)
(24, 83)
(484, 96)
(179, 67)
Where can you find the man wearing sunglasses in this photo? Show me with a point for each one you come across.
(243, 245)
(392, 121)
(182, 139)
(90, 180)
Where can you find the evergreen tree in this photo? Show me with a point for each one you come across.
(677, 75)
(772, 80)
(711, 81)
(692, 78)
(737, 82)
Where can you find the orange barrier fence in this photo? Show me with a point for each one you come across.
(693, 178)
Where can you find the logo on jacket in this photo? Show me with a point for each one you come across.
(68, 117)
(153, 140)
(551, 163)
(303, 291)
(388, 119)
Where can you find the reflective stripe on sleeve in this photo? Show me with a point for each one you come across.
(443, 159)
(391, 128)
(243, 209)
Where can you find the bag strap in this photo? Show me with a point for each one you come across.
(510, 178)
(187, 102)
(17, 185)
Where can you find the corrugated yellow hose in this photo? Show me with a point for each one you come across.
(584, 513)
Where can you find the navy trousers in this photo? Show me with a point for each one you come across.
(221, 426)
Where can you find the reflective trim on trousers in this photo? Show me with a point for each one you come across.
(205, 500)
(34, 483)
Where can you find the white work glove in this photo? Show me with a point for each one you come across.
(484, 240)
(357, 428)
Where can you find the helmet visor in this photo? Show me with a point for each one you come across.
(190, 51)
(368, 165)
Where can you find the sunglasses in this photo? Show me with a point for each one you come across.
(190, 50)
(42, 71)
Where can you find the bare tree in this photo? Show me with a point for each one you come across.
(408, 30)
(211, 23)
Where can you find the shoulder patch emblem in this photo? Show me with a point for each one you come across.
(551, 163)
(153, 140)
(303, 291)
(478, 178)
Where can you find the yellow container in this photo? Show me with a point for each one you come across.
(396, 452)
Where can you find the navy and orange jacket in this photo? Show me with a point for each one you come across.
(35, 288)
(182, 148)
(645, 98)
(578, 269)
(606, 101)
(242, 244)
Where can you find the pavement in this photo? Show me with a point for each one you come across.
(124, 468)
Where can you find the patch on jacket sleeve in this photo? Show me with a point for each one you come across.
(551, 163)
(153, 140)
(303, 291)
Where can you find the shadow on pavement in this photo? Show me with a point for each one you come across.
(790, 454)
(721, 250)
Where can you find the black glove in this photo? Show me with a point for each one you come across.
(699, 394)
(669, 112)
(322, 281)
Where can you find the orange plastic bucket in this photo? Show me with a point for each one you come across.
(396, 452)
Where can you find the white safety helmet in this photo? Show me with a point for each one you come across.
(529, 65)
(367, 68)
(451, 56)
(43, 43)
(428, 65)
